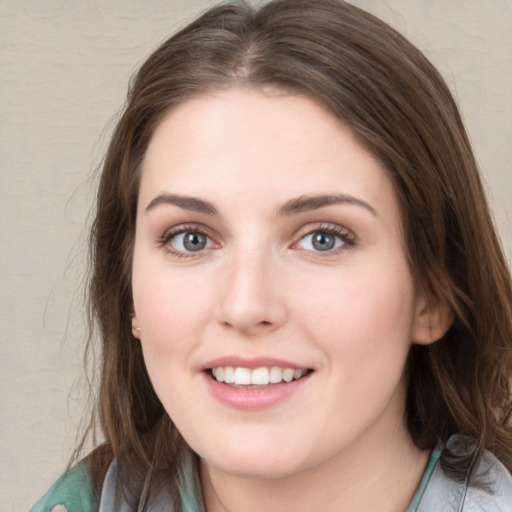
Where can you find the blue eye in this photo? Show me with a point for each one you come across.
(323, 240)
(189, 241)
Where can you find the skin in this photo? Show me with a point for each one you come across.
(260, 288)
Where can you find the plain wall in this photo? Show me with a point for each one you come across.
(64, 68)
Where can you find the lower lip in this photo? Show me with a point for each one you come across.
(254, 399)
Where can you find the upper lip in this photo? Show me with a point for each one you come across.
(251, 363)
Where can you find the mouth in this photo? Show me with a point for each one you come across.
(257, 378)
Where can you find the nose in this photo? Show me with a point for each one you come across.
(251, 298)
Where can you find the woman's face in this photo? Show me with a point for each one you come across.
(268, 248)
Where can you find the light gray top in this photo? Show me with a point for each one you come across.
(490, 489)
(491, 493)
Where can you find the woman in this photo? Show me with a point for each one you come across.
(301, 297)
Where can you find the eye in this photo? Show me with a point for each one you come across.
(189, 241)
(324, 240)
(185, 241)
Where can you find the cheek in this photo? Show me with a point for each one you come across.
(364, 317)
(170, 304)
(172, 311)
(169, 333)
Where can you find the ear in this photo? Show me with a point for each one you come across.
(135, 324)
(432, 321)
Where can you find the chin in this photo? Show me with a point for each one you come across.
(249, 451)
(254, 470)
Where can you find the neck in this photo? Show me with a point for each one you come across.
(364, 478)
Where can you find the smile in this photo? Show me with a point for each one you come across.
(263, 376)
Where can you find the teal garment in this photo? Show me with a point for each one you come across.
(432, 463)
(436, 492)
(72, 491)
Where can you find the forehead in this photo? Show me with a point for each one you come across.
(242, 143)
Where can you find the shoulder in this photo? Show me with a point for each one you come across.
(72, 492)
(489, 489)
(493, 493)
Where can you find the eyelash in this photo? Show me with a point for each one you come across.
(347, 238)
(165, 240)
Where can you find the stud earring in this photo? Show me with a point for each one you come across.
(137, 329)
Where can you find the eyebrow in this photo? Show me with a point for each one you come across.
(314, 202)
(293, 206)
(186, 202)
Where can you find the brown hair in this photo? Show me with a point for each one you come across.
(396, 102)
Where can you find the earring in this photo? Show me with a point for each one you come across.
(137, 329)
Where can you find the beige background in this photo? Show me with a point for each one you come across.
(64, 69)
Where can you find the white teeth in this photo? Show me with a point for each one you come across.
(258, 377)
(242, 376)
(229, 375)
(288, 374)
(276, 375)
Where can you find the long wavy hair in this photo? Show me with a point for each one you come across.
(401, 110)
